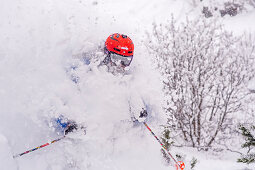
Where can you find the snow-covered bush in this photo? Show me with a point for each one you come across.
(205, 72)
(167, 142)
(207, 12)
(231, 8)
(226, 7)
(193, 163)
(249, 134)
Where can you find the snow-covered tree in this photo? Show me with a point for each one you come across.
(205, 72)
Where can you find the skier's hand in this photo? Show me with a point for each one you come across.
(72, 126)
(143, 113)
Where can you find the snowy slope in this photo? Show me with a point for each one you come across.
(38, 40)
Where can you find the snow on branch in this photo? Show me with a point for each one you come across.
(205, 71)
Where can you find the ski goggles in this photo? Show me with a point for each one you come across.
(121, 60)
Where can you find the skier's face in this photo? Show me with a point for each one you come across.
(119, 60)
(117, 63)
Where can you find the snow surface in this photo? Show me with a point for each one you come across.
(38, 39)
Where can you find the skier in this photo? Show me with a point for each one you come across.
(118, 55)
(119, 50)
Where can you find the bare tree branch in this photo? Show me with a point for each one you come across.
(205, 71)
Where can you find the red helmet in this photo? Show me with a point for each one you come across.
(119, 44)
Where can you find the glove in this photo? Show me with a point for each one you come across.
(72, 126)
(143, 113)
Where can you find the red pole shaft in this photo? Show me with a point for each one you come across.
(163, 146)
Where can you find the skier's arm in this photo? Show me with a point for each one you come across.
(137, 107)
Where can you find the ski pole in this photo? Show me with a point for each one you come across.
(179, 164)
(39, 147)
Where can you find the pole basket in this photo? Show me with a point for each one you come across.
(180, 165)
